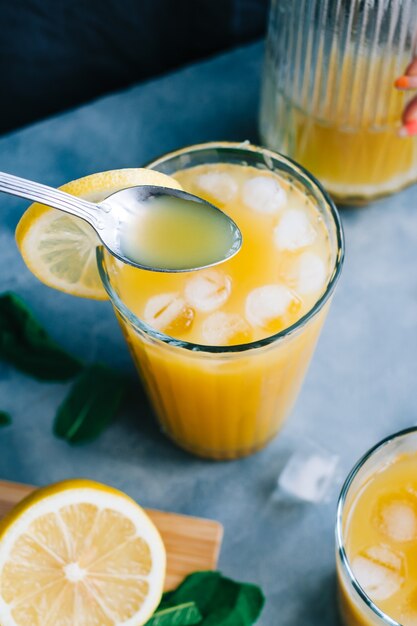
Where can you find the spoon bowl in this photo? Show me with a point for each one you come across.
(150, 227)
(167, 230)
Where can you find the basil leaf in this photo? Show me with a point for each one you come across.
(185, 614)
(5, 418)
(91, 404)
(221, 601)
(25, 344)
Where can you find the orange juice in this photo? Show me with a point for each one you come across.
(380, 542)
(277, 276)
(344, 128)
(211, 346)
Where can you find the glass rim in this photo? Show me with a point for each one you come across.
(340, 544)
(139, 324)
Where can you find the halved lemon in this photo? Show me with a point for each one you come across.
(79, 553)
(60, 249)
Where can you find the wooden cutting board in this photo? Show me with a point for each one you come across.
(192, 543)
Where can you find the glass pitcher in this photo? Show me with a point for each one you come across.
(328, 98)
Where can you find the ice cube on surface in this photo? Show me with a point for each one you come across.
(398, 520)
(268, 303)
(379, 571)
(264, 194)
(219, 185)
(312, 273)
(308, 474)
(208, 291)
(294, 231)
(168, 312)
(222, 329)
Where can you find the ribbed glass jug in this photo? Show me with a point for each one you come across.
(328, 98)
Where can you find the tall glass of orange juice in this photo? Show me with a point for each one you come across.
(376, 536)
(223, 351)
(328, 96)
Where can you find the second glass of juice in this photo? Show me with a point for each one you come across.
(376, 536)
(223, 351)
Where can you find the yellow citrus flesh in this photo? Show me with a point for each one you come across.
(79, 553)
(59, 249)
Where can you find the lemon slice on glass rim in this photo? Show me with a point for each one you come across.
(79, 553)
(59, 249)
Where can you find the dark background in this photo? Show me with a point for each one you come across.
(55, 54)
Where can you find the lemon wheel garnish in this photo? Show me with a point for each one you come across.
(79, 553)
(60, 249)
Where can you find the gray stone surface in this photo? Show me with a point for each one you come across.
(360, 387)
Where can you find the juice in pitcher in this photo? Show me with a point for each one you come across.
(328, 96)
(223, 351)
(377, 531)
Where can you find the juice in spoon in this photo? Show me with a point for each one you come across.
(170, 232)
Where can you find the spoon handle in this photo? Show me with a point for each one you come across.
(16, 186)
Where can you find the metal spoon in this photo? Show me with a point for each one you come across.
(124, 212)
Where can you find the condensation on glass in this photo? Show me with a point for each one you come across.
(328, 99)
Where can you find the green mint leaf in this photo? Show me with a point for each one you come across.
(221, 601)
(186, 614)
(26, 345)
(91, 404)
(198, 587)
(5, 418)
